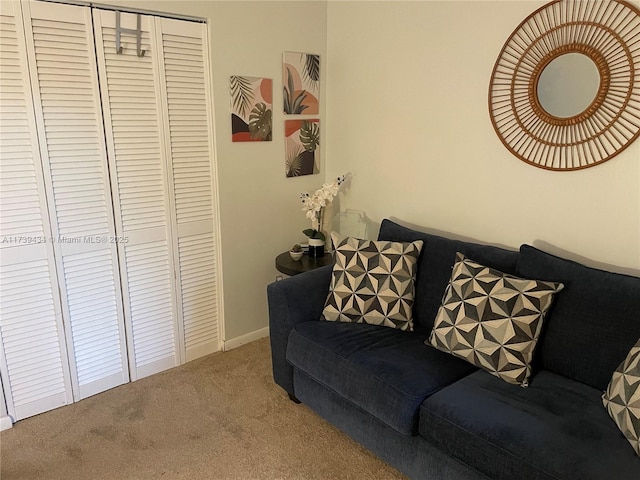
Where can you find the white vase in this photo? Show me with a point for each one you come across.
(316, 247)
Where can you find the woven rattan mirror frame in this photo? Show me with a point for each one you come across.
(606, 31)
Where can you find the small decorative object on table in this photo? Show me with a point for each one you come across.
(296, 252)
(314, 206)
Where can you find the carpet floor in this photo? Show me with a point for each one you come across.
(218, 417)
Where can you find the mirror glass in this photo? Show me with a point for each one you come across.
(568, 85)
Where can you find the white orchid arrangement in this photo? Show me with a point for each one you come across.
(314, 205)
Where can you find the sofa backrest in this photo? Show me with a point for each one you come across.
(435, 264)
(592, 325)
(594, 322)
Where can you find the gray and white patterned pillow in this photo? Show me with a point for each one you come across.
(622, 397)
(373, 282)
(491, 319)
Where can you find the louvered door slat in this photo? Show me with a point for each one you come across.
(183, 61)
(63, 73)
(35, 374)
(132, 120)
(198, 284)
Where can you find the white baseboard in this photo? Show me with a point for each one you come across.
(247, 338)
(5, 423)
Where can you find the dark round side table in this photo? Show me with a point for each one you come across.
(287, 265)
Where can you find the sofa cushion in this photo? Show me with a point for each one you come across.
(434, 266)
(492, 320)
(413, 456)
(385, 371)
(594, 321)
(554, 429)
(622, 397)
(373, 282)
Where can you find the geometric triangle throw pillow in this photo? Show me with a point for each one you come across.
(373, 282)
(492, 319)
(622, 397)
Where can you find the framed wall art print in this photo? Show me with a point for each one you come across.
(301, 83)
(302, 142)
(251, 109)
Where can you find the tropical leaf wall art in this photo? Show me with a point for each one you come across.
(301, 79)
(251, 109)
(302, 141)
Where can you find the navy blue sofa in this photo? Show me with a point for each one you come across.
(434, 416)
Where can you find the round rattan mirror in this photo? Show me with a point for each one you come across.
(565, 90)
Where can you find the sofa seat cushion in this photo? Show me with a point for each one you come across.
(556, 428)
(384, 371)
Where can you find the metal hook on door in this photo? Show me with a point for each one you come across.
(137, 32)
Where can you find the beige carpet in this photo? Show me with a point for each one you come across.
(219, 417)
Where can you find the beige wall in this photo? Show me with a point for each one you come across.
(259, 207)
(407, 92)
(406, 83)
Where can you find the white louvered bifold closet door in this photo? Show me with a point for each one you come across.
(61, 55)
(33, 353)
(184, 71)
(109, 210)
(131, 104)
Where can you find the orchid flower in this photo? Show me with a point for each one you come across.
(314, 204)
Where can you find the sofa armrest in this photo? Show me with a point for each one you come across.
(291, 301)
